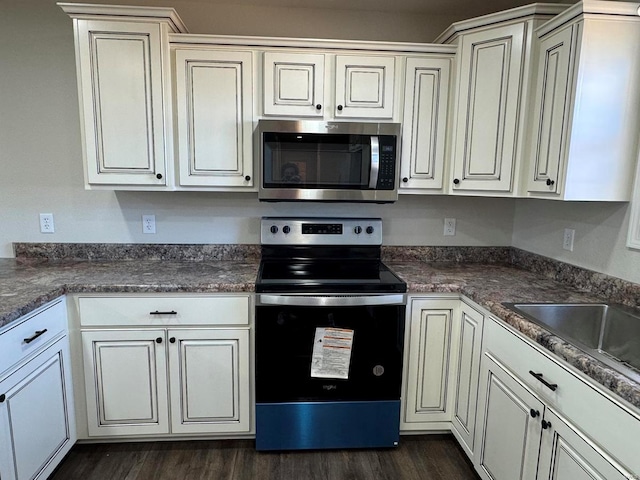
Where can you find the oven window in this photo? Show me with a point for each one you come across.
(284, 349)
(316, 160)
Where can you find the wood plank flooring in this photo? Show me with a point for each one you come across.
(424, 457)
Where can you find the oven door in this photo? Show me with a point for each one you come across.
(296, 408)
(288, 326)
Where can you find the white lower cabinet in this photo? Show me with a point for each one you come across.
(510, 428)
(566, 454)
(527, 429)
(427, 390)
(154, 378)
(442, 356)
(126, 382)
(467, 371)
(210, 380)
(37, 423)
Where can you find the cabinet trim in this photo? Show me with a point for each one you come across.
(338, 45)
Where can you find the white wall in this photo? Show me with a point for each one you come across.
(600, 234)
(42, 166)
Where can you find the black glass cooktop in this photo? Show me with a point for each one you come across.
(327, 275)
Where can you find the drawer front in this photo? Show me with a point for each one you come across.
(28, 334)
(609, 423)
(164, 310)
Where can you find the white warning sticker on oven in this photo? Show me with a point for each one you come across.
(331, 353)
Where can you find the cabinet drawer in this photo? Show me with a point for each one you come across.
(26, 335)
(164, 310)
(610, 423)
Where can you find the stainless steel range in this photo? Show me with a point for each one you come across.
(329, 336)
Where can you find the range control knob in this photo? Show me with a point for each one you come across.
(286, 229)
(358, 230)
(369, 229)
(274, 229)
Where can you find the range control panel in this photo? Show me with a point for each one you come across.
(320, 231)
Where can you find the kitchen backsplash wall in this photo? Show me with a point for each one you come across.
(600, 234)
(40, 155)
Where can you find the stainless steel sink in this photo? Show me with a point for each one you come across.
(609, 333)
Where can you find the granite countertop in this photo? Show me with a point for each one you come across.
(24, 286)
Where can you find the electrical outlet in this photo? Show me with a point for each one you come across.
(148, 224)
(449, 226)
(46, 223)
(567, 240)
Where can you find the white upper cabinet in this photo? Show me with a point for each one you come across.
(364, 86)
(214, 117)
(328, 86)
(123, 80)
(424, 126)
(493, 81)
(485, 139)
(584, 130)
(293, 84)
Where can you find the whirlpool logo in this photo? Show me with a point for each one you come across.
(328, 388)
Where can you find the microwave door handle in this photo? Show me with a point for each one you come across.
(375, 163)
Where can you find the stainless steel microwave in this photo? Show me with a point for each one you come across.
(328, 161)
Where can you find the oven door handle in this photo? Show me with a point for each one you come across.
(331, 300)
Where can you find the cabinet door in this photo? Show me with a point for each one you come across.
(293, 84)
(428, 348)
(126, 382)
(426, 100)
(37, 425)
(566, 454)
(486, 136)
(549, 143)
(209, 378)
(468, 369)
(364, 86)
(509, 425)
(121, 100)
(214, 98)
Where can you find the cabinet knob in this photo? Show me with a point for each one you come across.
(550, 182)
(172, 340)
(546, 424)
(456, 181)
(318, 107)
(159, 176)
(339, 108)
(405, 179)
(247, 178)
(3, 397)
(534, 413)
(159, 340)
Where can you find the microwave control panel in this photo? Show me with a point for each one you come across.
(387, 167)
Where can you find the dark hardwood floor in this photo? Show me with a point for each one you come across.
(428, 457)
